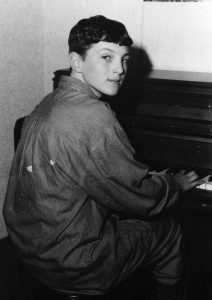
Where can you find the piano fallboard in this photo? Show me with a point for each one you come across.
(169, 147)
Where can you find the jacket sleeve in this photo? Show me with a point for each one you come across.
(119, 182)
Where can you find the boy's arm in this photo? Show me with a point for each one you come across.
(118, 181)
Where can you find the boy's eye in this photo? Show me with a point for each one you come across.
(106, 57)
(125, 60)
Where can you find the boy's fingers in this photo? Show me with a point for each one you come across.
(193, 178)
(206, 179)
(191, 173)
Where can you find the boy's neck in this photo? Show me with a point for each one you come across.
(77, 75)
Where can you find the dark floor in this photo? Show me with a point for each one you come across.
(13, 282)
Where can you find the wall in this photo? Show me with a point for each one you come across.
(21, 74)
(177, 35)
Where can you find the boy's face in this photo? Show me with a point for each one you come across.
(104, 67)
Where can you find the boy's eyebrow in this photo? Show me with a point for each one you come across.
(111, 50)
(127, 54)
(108, 49)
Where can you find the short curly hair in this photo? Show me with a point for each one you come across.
(95, 29)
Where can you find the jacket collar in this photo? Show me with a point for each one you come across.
(72, 83)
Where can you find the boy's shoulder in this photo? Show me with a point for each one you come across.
(97, 109)
(95, 115)
(76, 112)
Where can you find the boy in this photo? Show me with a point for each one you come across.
(74, 172)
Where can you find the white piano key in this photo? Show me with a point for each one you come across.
(205, 186)
(209, 186)
(201, 186)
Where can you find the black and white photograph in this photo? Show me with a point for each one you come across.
(106, 150)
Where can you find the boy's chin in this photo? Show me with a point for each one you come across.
(111, 93)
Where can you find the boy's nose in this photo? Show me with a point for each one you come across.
(118, 68)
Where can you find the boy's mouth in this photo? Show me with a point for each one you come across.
(118, 81)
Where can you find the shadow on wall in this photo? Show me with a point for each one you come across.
(130, 93)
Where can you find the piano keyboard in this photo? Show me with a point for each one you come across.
(205, 186)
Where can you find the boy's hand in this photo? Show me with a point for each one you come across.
(188, 180)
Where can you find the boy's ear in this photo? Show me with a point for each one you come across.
(75, 60)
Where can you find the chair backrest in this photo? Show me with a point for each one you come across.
(17, 131)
